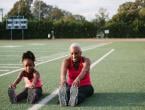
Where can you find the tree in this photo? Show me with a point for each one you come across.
(21, 8)
(79, 17)
(68, 18)
(140, 3)
(129, 20)
(56, 14)
(101, 19)
(41, 10)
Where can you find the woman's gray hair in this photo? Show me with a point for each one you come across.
(75, 45)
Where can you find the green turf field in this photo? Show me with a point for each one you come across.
(118, 80)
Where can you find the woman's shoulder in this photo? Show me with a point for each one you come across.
(85, 59)
(67, 60)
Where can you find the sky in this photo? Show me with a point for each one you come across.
(87, 8)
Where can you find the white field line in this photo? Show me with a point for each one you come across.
(64, 53)
(4, 70)
(11, 46)
(4, 74)
(56, 54)
(37, 44)
(99, 60)
(6, 51)
(9, 67)
(9, 55)
(10, 64)
(61, 53)
(48, 98)
(40, 59)
(95, 46)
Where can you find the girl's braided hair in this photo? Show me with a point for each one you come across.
(28, 55)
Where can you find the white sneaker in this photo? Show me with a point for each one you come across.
(62, 96)
(12, 95)
(31, 96)
(73, 96)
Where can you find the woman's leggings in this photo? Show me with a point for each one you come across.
(83, 93)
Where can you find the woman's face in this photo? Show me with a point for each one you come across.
(28, 65)
(75, 54)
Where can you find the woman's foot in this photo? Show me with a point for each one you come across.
(62, 94)
(73, 96)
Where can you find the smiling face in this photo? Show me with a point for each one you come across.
(28, 65)
(75, 53)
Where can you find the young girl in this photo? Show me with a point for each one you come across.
(33, 85)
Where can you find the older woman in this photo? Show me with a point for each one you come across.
(75, 82)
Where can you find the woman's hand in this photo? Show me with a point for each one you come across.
(76, 82)
(62, 82)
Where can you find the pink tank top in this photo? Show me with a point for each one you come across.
(73, 73)
(28, 81)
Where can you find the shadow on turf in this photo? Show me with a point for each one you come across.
(115, 99)
(109, 99)
(25, 100)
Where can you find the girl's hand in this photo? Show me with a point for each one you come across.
(32, 86)
(12, 86)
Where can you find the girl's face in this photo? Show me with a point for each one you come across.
(28, 65)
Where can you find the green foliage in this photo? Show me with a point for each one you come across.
(43, 19)
(129, 21)
(70, 28)
(74, 29)
(3, 32)
(21, 8)
(142, 13)
(101, 19)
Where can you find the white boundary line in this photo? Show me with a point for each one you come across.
(99, 45)
(10, 64)
(56, 54)
(99, 60)
(9, 55)
(48, 98)
(4, 70)
(64, 53)
(10, 46)
(9, 67)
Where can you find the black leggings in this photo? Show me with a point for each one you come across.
(83, 93)
(23, 95)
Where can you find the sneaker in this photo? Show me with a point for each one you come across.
(62, 96)
(73, 96)
(31, 96)
(12, 95)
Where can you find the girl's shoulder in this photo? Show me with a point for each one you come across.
(22, 73)
(36, 72)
